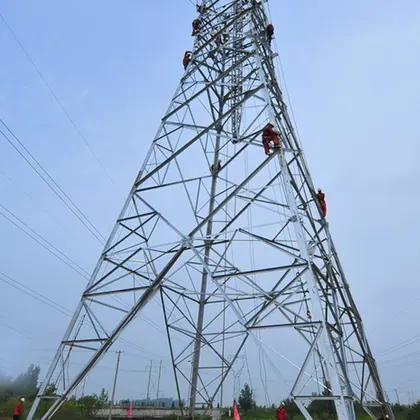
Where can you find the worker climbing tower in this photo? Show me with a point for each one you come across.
(231, 241)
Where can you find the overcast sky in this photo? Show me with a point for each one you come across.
(352, 74)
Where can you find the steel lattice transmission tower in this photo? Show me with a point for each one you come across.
(230, 253)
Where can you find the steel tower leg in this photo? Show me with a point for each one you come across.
(204, 280)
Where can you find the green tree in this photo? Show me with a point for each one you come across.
(50, 390)
(90, 404)
(27, 383)
(414, 411)
(324, 409)
(103, 398)
(246, 398)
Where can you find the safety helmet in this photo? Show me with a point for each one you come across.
(319, 190)
(272, 123)
(22, 399)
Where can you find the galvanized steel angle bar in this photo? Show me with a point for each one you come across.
(232, 195)
(189, 381)
(356, 352)
(134, 231)
(192, 141)
(176, 307)
(107, 305)
(260, 203)
(116, 291)
(215, 318)
(226, 249)
(187, 333)
(113, 270)
(259, 270)
(94, 321)
(186, 87)
(201, 91)
(170, 184)
(286, 225)
(162, 148)
(273, 300)
(187, 294)
(277, 245)
(107, 251)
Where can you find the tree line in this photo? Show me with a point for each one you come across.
(26, 385)
(319, 409)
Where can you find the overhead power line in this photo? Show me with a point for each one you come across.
(19, 331)
(51, 183)
(34, 294)
(48, 213)
(43, 242)
(408, 342)
(72, 122)
(49, 302)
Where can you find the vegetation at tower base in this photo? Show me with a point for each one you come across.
(319, 412)
(246, 399)
(87, 406)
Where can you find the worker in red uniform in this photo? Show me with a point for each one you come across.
(18, 409)
(219, 40)
(195, 26)
(281, 412)
(269, 135)
(270, 32)
(187, 59)
(321, 198)
(216, 168)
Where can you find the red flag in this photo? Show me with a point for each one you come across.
(130, 410)
(236, 415)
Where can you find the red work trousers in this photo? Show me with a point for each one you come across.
(266, 143)
(323, 205)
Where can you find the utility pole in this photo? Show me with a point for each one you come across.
(413, 399)
(158, 383)
(237, 372)
(150, 377)
(83, 387)
(115, 384)
(396, 393)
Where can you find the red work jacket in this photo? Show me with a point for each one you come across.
(269, 133)
(281, 414)
(18, 409)
(321, 197)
